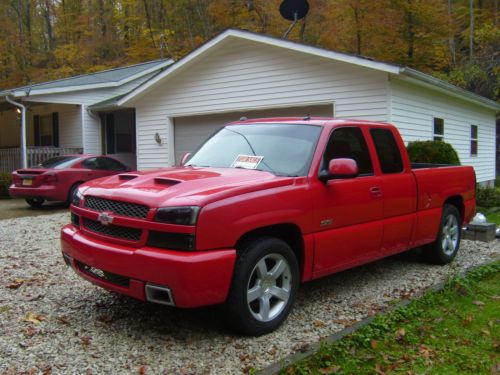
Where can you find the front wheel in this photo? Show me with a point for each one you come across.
(35, 202)
(445, 248)
(264, 286)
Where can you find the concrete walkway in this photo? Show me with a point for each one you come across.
(13, 208)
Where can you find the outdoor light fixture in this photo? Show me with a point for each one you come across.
(158, 138)
(18, 110)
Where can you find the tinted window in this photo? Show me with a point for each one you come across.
(59, 162)
(111, 164)
(387, 149)
(90, 163)
(349, 143)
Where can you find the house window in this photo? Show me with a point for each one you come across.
(47, 130)
(438, 129)
(119, 132)
(473, 140)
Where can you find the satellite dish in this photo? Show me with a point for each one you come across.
(294, 10)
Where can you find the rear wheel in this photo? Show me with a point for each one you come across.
(35, 202)
(445, 248)
(264, 286)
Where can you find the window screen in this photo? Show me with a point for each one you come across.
(438, 129)
(473, 140)
(387, 151)
(349, 143)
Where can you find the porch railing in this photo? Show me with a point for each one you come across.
(10, 158)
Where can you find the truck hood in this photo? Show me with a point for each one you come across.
(182, 185)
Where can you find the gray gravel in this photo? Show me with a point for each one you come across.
(51, 321)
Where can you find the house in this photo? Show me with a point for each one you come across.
(59, 119)
(239, 73)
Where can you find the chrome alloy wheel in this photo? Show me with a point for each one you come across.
(269, 287)
(450, 235)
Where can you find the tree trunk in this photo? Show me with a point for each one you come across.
(357, 21)
(148, 20)
(451, 39)
(471, 30)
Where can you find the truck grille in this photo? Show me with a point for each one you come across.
(117, 207)
(116, 231)
(112, 278)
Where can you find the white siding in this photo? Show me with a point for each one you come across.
(91, 128)
(413, 109)
(244, 75)
(89, 97)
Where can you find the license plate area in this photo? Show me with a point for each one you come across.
(27, 182)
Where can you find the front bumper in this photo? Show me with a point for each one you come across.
(196, 278)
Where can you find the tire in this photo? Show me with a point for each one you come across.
(259, 301)
(445, 248)
(72, 192)
(35, 202)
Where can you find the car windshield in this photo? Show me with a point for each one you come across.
(59, 162)
(283, 149)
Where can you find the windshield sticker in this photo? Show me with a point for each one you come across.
(247, 161)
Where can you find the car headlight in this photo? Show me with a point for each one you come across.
(76, 198)
(184, 215)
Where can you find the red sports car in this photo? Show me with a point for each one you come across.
(56, 179)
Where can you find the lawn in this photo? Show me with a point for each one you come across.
(453, 331)
(494, 217)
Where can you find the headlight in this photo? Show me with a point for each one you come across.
(185, 215)
(76, 198)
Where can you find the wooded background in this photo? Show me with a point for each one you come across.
(455, 40)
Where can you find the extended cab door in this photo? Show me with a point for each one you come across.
(347, 218)
(398, 187)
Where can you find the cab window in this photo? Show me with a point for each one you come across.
(349, 143)
(387, 149)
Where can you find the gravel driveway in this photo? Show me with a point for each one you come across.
(51, 321)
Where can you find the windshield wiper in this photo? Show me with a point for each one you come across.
(253, 151)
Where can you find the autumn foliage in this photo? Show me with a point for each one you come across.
(457, 40)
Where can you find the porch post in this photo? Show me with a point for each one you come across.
(24, 159)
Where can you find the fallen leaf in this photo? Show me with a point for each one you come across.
(86, 340)
(16, 283)
(495, 297)
(105, 319)
(486, 332)
(30, 331)
(400, 333)
(64, 320)
(319, 323)
(329, 370)
(142, 370)
(478, 303)
(88, 371)
(495, 370)
(468, 320)
(34, 318)
(379, 370)
(374, 344)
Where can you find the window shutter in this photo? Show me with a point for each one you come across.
(55, 129)
(36, 121)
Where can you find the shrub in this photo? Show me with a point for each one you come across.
(5, 181)
(487, 197)
(437, 152)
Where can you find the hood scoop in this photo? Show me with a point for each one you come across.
(167, 181)
(127, 177)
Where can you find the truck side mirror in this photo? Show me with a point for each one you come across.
(185, 158)
(340, 168)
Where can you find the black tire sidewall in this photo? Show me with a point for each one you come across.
(441, 256)
(240, 316)
(35, 202)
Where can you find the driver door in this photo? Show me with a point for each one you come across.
(348, 212)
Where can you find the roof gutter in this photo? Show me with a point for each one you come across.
(437, 84)
(24, 159)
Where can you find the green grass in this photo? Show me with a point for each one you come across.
(453, 331)
(494, 217)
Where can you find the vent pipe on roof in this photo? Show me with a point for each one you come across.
(24, 159)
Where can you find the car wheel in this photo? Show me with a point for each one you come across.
(72, 192)
(264, 286)
(445, 248)
(35, 202)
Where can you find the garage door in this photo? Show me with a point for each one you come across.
(190, 132)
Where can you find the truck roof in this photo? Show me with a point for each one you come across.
(319, 121)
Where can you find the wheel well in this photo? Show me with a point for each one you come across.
(290, 233)
(458, 202)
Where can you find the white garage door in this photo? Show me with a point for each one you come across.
(190, 132)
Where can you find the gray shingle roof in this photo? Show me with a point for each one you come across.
(103, 77)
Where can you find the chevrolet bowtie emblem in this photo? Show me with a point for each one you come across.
(105, 218)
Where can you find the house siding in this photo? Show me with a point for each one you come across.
(244, 75)
(413, 109)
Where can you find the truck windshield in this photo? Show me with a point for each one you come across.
(282, 149)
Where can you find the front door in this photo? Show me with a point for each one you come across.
(348, 212)
(119, 139)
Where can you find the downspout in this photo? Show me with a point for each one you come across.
(24, 162)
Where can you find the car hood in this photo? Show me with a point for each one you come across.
(182, 185)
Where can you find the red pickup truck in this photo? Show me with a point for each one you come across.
(262, 206)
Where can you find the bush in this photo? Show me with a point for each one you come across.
(437, 152)
(5, 181)
(487, 197)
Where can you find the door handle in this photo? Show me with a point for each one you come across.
(376, 192)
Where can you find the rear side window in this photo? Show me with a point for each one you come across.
(349, 143)
(111, 165)
(387, 151)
